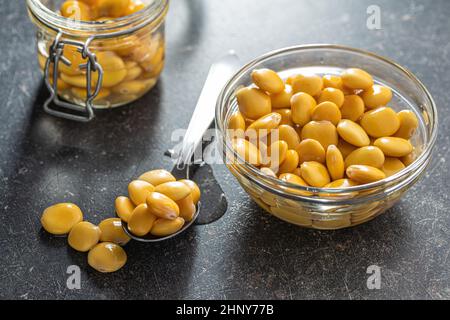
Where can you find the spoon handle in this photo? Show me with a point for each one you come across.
(219, 73)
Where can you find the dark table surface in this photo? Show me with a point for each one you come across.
(245, 254)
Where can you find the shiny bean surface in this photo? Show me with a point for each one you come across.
(355, 78)
(335, 162)
(352, 133)
(302, 105)
(315, 173)
(352, 107)
(328, 111)
(141, 220)
(282, 99)
(175, 190)
(59, 219)
(138, 190)
(253, 103)
(247, 151)
(107, 257)
(391, 166)
(376, 96)
(263, 125)
(195, 190)
(288, 134)
(333, 95)
(380, 122)
(408, 124)
(112, 231)
(83, 236)
(309, 83)
(290, 162)
(310, 150)
(124, 208)
(163, 227)
(162, 206)
(394, 146)
(187, 208)
(370, 156)
(364, 174)
(322, 131)
(157, 177)
(267, 80)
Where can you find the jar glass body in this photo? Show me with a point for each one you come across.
(326, 208)
(130, 51)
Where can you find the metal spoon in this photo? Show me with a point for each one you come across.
(201, 120)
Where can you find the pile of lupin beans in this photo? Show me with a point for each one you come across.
(131, 64)
(157, 204)
(331, 131)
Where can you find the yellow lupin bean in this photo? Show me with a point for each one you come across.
(134, 7)
(163, 227)
(302, 105)
(309, 83)
(268, 172)
(282, 99)
(369, 156)
(141, 221)
(315, 173)
(195, 190)
(237, 122)
(162, 206)
(345, 148)
(113, 8)
(138, 191)
(267, 80)
(310, 150)
(333, 95)
(59, 218)
(394, 146)
(288, 134)
(79, 81)
(391, 166)
(355, 78)
(380, 122)
(247, 150)
(277, 152)
(253, 103)
(114, 70)
(107, 257)
(124, 208)
(157, 176)
(145, 51)
(263, 125)
(76, 10)
(322, 131)
(285, 116)
(409, 158)
(112, 231)
(408, 124)
(175, 190)
(364, 174)
(352, 108)
(83, 236)
(326, 111)
(72, 54)
(376, 96)
(290, 162)
(335, 162)
(133, 73)
(352, 133)
(332, 81)
(187, 208)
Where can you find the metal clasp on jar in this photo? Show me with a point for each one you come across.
(79, 113)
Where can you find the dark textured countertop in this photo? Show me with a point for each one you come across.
(246, 254)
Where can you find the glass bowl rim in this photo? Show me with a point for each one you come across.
(416, 164)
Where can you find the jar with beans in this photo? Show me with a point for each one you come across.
(98, 53)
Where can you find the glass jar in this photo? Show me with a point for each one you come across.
(330, 208)
(103, 63)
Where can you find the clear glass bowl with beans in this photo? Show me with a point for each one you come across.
(325, 136)
(126, 37)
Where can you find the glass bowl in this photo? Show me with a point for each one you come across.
(326, 208)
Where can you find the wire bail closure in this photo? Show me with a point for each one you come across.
(82, 113)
